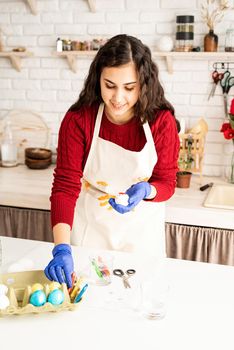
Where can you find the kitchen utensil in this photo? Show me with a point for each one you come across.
(226, 83)
(125, 276)
(204, 187)
(217, 77)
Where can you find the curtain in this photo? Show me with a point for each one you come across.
(25, 223)
(197, 243)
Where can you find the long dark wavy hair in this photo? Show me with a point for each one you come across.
(122, 49)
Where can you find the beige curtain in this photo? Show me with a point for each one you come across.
(203, 244)
(25, 223)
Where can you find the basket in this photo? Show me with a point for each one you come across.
(19, 291)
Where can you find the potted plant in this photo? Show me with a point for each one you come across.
(183, 176)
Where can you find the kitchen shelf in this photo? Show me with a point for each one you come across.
(72, 55)
(15, 57)
(32, 5)
(170, 56)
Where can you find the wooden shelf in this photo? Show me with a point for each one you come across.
(72, 55)
(15, 57)
(170, 56)
(32, 5)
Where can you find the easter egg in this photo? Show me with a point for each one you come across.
(56, 297)
(54, 285)
(122, 199)
(4, 302)
(37, 286)
(3, 289)
(38, 298)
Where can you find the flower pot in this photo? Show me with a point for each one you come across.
(183, 179)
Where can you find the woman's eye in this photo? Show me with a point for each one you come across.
(129, 89)
(109, 86)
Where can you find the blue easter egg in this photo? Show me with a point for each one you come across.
(56, 297)
(38, 298)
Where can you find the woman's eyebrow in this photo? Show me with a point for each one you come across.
(111, 82)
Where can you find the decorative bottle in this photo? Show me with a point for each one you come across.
(8, 147)
(59, 45)
(211, 41)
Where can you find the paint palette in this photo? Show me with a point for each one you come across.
(20, 289)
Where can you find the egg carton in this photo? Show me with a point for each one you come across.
(19, 291)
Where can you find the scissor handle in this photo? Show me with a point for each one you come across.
(230, 83)
(224, 80)
(118, 272)
(130, 272)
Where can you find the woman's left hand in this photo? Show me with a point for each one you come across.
(136, 193)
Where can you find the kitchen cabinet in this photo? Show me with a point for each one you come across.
(25, 223)
(196, 243)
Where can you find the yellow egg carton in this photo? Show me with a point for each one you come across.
(19, 291)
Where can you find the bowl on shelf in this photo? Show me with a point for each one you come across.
(38, 158)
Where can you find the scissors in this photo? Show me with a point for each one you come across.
(226, 83)
(125, 276)
(216, 76)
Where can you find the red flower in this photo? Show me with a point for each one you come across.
(225, 126)
(232, 107)
(227, 130)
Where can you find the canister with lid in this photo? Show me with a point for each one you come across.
(229, 40)
(184, 33)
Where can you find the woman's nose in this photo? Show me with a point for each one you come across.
(118, 96)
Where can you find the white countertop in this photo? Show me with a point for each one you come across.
(199, 309)
(26, 188)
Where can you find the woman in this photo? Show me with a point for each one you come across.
(119, 137)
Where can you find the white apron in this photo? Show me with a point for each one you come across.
(111, 169)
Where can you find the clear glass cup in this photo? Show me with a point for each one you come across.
(154, 299)
(101, 267)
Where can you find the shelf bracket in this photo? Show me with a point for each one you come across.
(169, 62)
(33, 6)
(92, 5)
(16, 62)
(72, 62)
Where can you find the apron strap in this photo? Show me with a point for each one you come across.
(96, 128)
(148, 134)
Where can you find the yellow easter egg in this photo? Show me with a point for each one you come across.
(54, 285)
(36, 286)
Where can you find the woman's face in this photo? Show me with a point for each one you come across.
(120, 91)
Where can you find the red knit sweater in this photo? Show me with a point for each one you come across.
(75, 137)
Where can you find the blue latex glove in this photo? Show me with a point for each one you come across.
(136, 193)
(61, 266)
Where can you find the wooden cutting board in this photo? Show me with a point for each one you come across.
(29, 130)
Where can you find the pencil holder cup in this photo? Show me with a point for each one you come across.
(101, 267)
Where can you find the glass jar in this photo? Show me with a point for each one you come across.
(9, 152)
(229, 40)
(184, 33)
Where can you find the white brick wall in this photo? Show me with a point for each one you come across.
(46, 85)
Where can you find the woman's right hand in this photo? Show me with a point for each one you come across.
(61, 267)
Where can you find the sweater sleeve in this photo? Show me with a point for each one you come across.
(167, 146)
(69, 169)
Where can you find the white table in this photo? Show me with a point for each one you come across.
(200, 310)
